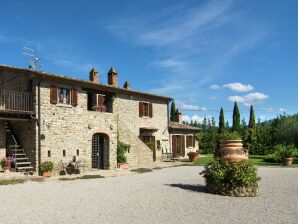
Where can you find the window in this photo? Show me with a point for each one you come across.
(64, 153)
(78, 152)
(49, 153)
(63, 95)
(190, 141)
(100, 102)
(145, 109)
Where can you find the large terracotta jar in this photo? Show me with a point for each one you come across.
(231, 151)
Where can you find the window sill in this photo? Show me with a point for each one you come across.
(64, 105)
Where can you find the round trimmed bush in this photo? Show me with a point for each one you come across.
(233, 179)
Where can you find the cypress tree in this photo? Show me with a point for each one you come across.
(173, 110)
(221, 125)
(252, 122)
(236, 119)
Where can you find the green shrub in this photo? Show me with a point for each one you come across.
(281, 152)
(121, 149)
(230, 136)
(241, 174)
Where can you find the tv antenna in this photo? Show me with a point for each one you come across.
(33, 58)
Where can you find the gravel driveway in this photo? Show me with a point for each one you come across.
(172, 195)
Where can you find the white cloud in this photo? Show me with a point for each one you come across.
(239, 87)
(249, 99)
(214, 87)
(282, 110)
(184, 106)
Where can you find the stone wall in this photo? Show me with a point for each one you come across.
(139, 153)
(71, 128)
(2, 140)
(14, 81)
(127, 108)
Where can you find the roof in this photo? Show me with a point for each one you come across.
(178, 126)
(84, 83)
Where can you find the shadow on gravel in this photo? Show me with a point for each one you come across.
(189, 187)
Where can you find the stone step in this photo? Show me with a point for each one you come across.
(13, 146)
(25, 168)
(22, 158)
(22, 163)
(20, 154)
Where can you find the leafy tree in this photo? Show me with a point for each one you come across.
(236, 119)
(173, 110)
(221, 125)
(210, 136)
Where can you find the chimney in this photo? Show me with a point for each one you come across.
(93, 75)
(126, 85)
(178, 117)
(113, 77)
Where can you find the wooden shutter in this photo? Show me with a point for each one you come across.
(141, 109)
(150, 110)
(74, 97)
(53, 94)
(183, 145)
(174, 145)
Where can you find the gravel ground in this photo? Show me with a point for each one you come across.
(172, 195)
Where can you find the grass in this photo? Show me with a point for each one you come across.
(256, 159)
(12, 181)
(141, 170)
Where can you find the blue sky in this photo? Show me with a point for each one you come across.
(205, 54)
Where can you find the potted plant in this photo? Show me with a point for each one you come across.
(122, 148)
(193, 156)
(287, 153)
(231, 148)
(6, 164)
(46, 168)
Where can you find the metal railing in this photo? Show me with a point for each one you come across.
(15, 101)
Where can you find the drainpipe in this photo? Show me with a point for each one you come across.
(39, 125)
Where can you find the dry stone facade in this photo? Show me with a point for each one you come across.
(68, 129)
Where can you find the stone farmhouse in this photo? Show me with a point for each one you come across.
(49, 117)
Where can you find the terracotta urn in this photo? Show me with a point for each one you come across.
(231, 151)
(193, 156)
(288, 161)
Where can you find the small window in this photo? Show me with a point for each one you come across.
(64, 153)
(190, 141)
(63, 95)
(146, 109)
(78, 152)
(49, 153)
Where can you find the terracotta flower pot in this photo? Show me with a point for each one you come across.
(231, 151)
(47, 174)
(288, 161)
(123, 165)
(193, 156)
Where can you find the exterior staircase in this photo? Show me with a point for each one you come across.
(14, 149)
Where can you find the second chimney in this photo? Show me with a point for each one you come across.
(113, 77)
(178, 117)
(93, 75)
(126, 85)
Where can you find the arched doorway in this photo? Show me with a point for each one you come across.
(100, 151)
